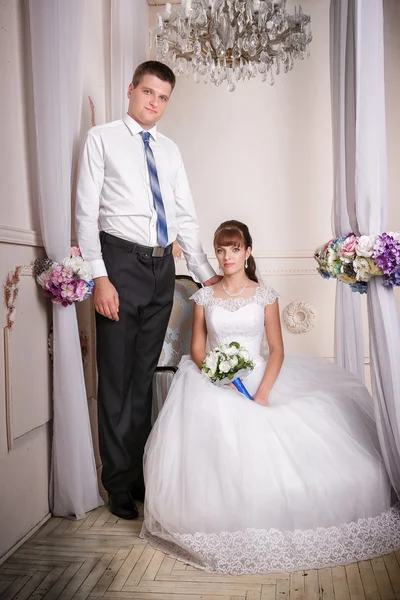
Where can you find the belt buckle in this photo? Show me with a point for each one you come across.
(158, 251)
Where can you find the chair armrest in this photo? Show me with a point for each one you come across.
(161, 383)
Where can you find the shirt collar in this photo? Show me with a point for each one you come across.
(135, 128)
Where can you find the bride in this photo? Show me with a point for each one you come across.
(293, 480)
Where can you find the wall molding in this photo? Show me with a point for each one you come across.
(286, 272)
(281, 255)
(12, 284)
(276, 254)
(23, 237)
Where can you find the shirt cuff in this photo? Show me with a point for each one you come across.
(98, 268)
(202, 273)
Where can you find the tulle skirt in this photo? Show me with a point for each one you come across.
(235, 487)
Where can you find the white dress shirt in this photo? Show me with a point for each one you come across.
(114, 195)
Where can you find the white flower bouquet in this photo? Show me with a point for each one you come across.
(227, 364)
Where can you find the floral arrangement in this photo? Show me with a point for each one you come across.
(355, 259)
(227, 364)
(65, 283)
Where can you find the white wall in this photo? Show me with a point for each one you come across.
(95, 55)
(392, 60)
(24, 470)
(263, 155)
(260, 154)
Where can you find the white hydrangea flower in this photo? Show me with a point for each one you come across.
(231, 350)
(79, 266)
(244, 354)
(365, 268)
(365, 245)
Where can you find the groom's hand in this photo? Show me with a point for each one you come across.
(213, 280)
(106, 300)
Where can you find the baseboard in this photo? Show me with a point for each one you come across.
(25, 538)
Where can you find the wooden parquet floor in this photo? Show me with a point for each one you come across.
(102, 557)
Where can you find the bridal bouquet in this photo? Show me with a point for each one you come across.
(65, 283)
(355, 259)
(227, 364)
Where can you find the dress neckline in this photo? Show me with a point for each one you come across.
(233, 304)
(212, 290)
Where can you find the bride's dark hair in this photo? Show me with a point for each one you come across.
(235, 233)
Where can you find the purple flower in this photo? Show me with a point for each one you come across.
(68, 290)
(323, 273)
(393, 279)
(67, 283)
(386, 253)
(360, 286)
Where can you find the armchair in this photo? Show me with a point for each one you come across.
(177, 340)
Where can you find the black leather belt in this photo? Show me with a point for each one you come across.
(154, 251)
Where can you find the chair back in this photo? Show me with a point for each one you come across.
(179, 332)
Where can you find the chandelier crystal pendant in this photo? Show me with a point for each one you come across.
(231, 40)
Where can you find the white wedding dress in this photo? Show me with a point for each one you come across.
(235, 487)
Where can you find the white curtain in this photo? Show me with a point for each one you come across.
(357, 42)
(349, 343)
(55, 29)
(128, 48)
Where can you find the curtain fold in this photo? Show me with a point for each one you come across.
(128, 48)
(358, 103)
(349, 343)
(55, 32)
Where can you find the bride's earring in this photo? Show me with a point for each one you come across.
(245, 264)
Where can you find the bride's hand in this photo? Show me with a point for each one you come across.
(260, 399)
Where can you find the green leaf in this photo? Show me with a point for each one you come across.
(235, 344)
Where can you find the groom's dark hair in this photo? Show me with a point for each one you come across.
(153, 67)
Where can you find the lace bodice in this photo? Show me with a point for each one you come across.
(236, 319)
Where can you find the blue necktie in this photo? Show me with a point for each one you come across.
(162, 230)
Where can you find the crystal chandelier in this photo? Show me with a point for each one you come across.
(229, 40)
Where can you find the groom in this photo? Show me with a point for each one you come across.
(133, 201)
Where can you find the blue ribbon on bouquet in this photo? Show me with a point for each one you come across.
(238, 383)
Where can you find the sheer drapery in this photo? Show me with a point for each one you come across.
(55, 29)
(358, 97)
(349, 346)
(128, 48)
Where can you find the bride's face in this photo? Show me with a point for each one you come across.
(231, 259)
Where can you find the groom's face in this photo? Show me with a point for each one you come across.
(148, 100)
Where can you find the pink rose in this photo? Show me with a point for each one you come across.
(349, 247)
(75, 251)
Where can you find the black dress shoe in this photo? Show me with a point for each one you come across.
(123, 506)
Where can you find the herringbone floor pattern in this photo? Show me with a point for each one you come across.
(103, 557)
